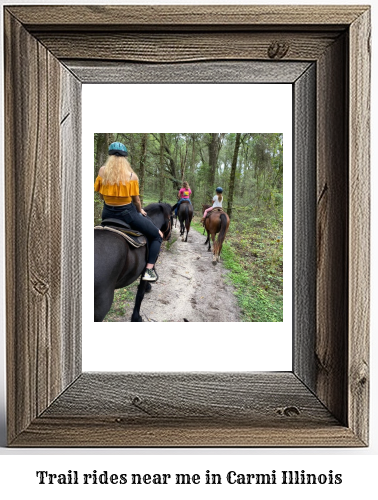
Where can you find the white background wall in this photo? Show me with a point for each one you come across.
(185, 346)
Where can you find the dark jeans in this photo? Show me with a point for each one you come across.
(179, 203)
(130, 215)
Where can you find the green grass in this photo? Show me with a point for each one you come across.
(252, 253)
(122, 297)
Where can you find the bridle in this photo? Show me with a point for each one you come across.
(168, 230)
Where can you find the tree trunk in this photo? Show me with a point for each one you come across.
(161, 168)
(103, 142)
(143, 155)
(232, 175)
(214, 148)
(193, 166)
(171, 165)
(213, 157)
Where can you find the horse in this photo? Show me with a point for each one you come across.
(185, 215)
(117, 264)
(217, 222)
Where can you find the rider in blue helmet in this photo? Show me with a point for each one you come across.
(118, 186)
(217, 202)
(118, 149)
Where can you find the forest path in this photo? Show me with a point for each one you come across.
(189, 286)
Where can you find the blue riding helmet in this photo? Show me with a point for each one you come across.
(219, 190)
(117, 148)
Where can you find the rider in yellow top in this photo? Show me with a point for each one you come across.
(118, 186)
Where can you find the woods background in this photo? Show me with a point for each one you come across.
(249, 168)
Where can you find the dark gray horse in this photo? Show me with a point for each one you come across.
(185, 215)
(117, 264)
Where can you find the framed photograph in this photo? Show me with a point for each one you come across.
(254, 278)
(323, 52)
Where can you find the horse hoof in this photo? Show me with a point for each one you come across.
(214, 262)
(137, 320)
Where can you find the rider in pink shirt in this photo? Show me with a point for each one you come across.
(184, 194)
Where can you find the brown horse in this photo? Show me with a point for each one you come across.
(216, 222)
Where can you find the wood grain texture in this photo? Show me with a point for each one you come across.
(211, 396)
(33, 186)
(323, 402)
(181, 47)
(331, 351)
(98, 432)
(201, 72)
(70, 161)
(359, 226)
(184, 16)
(304, 228)
(197, 409)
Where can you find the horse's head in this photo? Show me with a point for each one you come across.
(168, 217)
(161, 216)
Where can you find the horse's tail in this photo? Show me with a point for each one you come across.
(222, 232)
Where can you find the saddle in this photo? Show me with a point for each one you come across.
(215, 209)
(135, 238)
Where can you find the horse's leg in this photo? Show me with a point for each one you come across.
(138, 300)
(214, 249)
(219, 249)
(208, 237)
(148, 287)
(212, 237)
(102, 303)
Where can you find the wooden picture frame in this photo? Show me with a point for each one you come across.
(324, 52)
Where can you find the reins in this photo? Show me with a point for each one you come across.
(165, 237)
(167, 232)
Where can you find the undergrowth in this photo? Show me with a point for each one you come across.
(253, 252)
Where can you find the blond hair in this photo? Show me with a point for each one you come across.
(117, 170)
(185, 185)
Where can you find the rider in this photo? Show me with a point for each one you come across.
(118, 186)
(183, 194)
(217, 202)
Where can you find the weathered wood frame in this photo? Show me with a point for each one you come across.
(49, 52)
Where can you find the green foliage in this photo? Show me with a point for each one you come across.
(169, 243)
(253, 253)
(258, 176)
(253, 248)
(122, 297)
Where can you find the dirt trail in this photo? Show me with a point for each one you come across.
(189, 286)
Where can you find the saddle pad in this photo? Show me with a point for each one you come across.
(136, 240)
(122, 226)
(215, 209)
